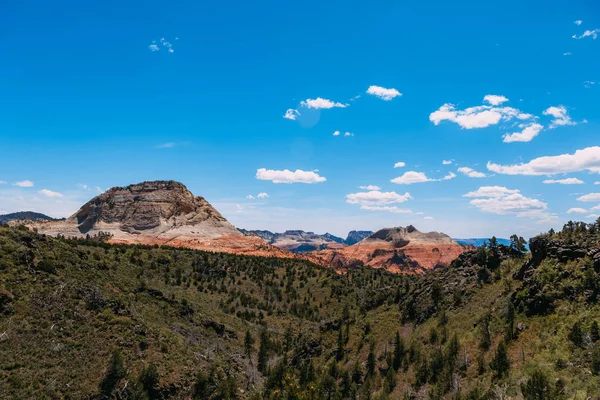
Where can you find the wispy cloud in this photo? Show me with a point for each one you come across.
(50, 193)
(561, 117)
(320, 102)
(471, 173)
(587, 159)
(25, 183)
(162, 43)
(567, 181)
(411, 177)
(370, 187)
(383, 93)
(588, 33)
(287, 176)
(291, 114)
(399, 164)
(167, 145)
(578, 22)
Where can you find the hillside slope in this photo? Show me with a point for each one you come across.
(85, 319)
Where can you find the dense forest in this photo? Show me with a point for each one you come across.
(83, 319)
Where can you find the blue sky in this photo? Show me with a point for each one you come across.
(87, 104)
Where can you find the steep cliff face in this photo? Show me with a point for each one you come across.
(398, 250)
(158, 212)
(356, 236)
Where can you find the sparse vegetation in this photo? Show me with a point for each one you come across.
(86, 319)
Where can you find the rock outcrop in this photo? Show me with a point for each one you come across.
(356, 236)
(157, 212)
(398, 250)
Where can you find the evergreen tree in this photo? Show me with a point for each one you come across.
(114, 373)
(596, 360)
(340, 345)
(484, 327)
(371, 362)
(500, 363)
(399, 351)
(510, 321)
(263, 351)
(248, 342)
(576, 334)
(538, 387)
(594, 332)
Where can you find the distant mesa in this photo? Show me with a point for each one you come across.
(398, 250)
(25, 216)
(299, 241)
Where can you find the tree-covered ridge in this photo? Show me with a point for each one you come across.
(84, 319)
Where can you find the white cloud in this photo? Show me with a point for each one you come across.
(567, 181)
(262, 195)
(383, 93)
(568, 53)
(321, 103)
(50, 193)
(446, 162)
(503, 201)
(291, 114)
(491, 191)
(370, 187)
(588, 84)
(494, 100)
(427, 217)
(399, 164)
(410, 177)
(588, 33)
(585, 159)
(83, 186)
(171, 51)
(592, 216)
(529, 131)
(287, 176)
(590, 197)
(560, 115)
(336, 133)
(391, 209)
(250, 197)
(576, 210)
(25, 183)
(2, 182)
(578, 22)
(479, 116)
(154, 47)
(348, 134)
(451, 175)
(471, 173)
(376, 198)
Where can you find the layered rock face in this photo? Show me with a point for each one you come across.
(157, 212)
(398, 250)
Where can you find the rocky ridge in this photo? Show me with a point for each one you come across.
(157, 212)
(398, 250)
